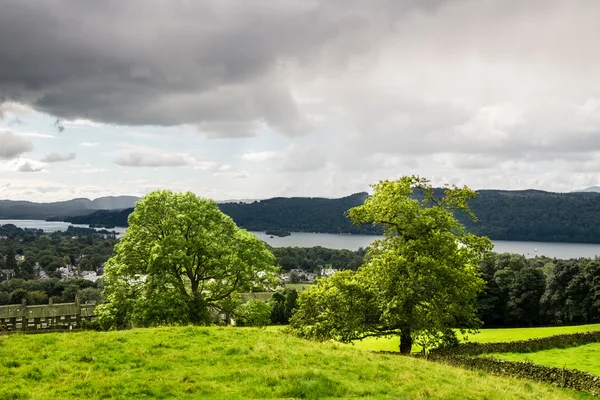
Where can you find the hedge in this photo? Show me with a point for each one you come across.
(520, 346)
(562, 377)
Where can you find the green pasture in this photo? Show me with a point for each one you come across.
(232, 363)
(299, 286)
(583, 358)
(484, 335)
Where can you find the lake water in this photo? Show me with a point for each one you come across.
(48, 226)
(353, 242)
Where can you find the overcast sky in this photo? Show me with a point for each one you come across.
(247, 100)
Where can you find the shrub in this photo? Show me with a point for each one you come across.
(254, 313)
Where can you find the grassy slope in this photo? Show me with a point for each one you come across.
(584, 358)
(231, 363)
(485, 335)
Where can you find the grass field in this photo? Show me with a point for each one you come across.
(299, 286)
(484, 335)
(230, 363)
(584, 358)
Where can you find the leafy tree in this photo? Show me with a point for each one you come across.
(17, 296)
(419, 282)
(37, 297)
(294, 277)
(180, 258)
(4, 298)
(254, 313)
(513, 291)
(277, 303)
(89, 295)
(290, 304)
(283, 304)
(11, 262)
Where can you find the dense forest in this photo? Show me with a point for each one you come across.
(526, 215)
(540, 291)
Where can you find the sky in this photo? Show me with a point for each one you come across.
(233, 99)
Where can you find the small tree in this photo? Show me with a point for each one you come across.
(419, 281)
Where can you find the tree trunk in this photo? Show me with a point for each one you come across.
(405, 341)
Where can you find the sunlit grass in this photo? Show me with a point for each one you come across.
(484, 335)
(584, 358)
(299, 286)
(232, 363)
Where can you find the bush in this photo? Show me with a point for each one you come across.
(254, 313)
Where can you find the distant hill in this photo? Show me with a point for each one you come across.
(295, 214)
(526, 215)
(595, 189)
(10, 209)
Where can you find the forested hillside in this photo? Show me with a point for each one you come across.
(10, 209)
(528, 215)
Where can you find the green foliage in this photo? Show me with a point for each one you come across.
(89, 295)
(315, 258)
(37, 297)
(179, 260)
(283, 304)
(11, 262)
(513, 291)
(254, 313)
(420, 281)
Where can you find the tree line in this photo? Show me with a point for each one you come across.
(37, 292)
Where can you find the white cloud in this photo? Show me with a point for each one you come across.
(153, 159)
(260, 156)
(36, 135)
(93, 170)
(22, 165)
(292, 158)
(89, 144)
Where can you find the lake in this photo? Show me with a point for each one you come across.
(353, 242)
(48, 226)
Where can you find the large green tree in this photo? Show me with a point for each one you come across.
(180, 259)
(420, 281)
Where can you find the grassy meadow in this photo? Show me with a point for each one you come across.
(230, 363)
(484, 335)
(299, 286)
(583, 358)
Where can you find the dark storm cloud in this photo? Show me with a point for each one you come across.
(211, 63)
